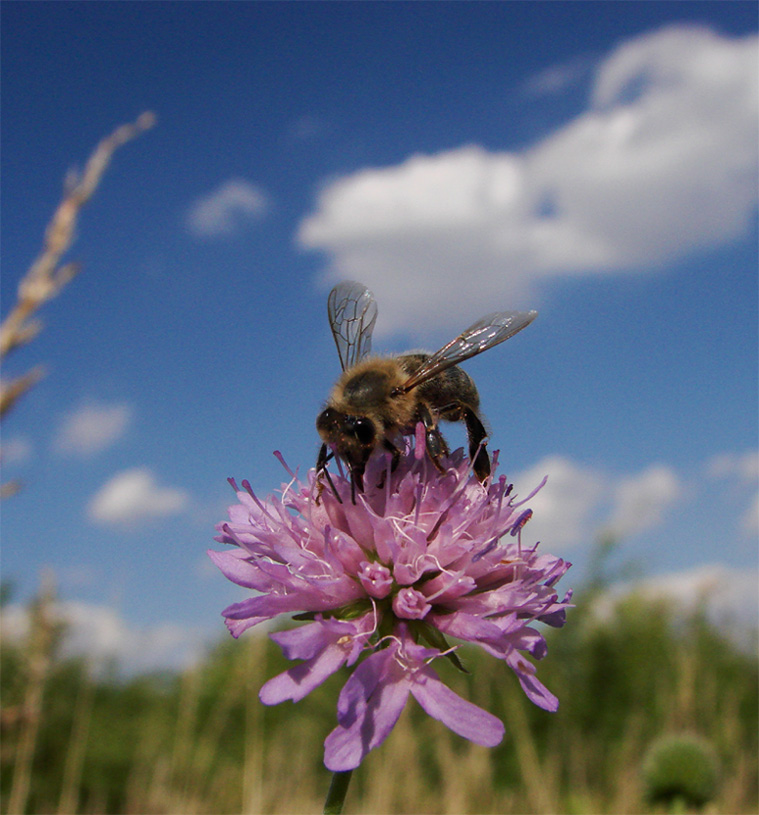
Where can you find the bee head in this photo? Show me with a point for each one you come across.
(352, 437)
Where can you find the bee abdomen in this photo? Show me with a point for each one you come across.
(448, 391)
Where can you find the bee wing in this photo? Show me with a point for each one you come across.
(352, 313)
(485, 333)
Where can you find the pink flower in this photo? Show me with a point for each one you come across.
(420, 555)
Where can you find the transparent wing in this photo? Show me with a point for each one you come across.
(485, 333)
(352, 313)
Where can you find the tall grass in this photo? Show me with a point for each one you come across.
(201, 742)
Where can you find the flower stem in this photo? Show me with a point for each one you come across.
(337, 791)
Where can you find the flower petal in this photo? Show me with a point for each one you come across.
(301, 679)
(303, 642)
(464, 718)
(536, 691)
(235, 566)
(368, 708)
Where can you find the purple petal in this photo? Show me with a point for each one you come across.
(362, 684)
(467, 626)
(464, 718)
(376, 579)
(307, 641)
(368, 708)
(235, 566)
(300, 680)
(556, 615)
(536, 691)
(237, 627)
(303, 642)
(447, 587)
(410, 604)
(250, 612)
(530, 640)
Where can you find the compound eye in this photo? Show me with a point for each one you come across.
(325, 419)
(364, 430)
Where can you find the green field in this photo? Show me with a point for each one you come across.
(201, 742)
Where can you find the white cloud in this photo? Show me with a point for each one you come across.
(92, 428)
(641, 500)
(223, 210)
(579, 502)
(565, 508)
(744, 466)
(133, 496)
(16, 450)
(102, 635)
(663, 162)
(750, 519)
(557, 78)
(739, 471)
(729, 595)
(308, 128)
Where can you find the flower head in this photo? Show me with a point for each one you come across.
(420, 556)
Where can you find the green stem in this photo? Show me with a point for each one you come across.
(337, 791)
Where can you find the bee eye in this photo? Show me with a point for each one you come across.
(325, 419)
(363, 430)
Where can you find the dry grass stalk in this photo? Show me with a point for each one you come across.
(9, 488)
(43, 635)
(538, 788)
(253, 774)
(74, 763)
(183, 736)
(11, 391)
(46, 277)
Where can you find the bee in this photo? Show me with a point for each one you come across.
(378, 400)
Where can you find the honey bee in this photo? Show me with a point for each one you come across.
(378, 400)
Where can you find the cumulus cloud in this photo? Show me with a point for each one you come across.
(740, 471)
(225, 209)
(729, 595)
(103, 636)
(565, 507)
(92, 428)
(557, 78)
(750, 519)
(662, 163)
(16, 450)
(579, 502)
(640, 501)
(308, 128)
(133, 496)
(743, 466)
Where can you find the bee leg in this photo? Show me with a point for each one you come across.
(357, 481)
(394, 451)
(477, 439)
(396, 457)
(325, 454)
(436, 445)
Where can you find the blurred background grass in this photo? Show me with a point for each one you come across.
(201, 742)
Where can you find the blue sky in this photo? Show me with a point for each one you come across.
(594, 161)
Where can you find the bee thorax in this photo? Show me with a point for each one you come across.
(366, 389)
